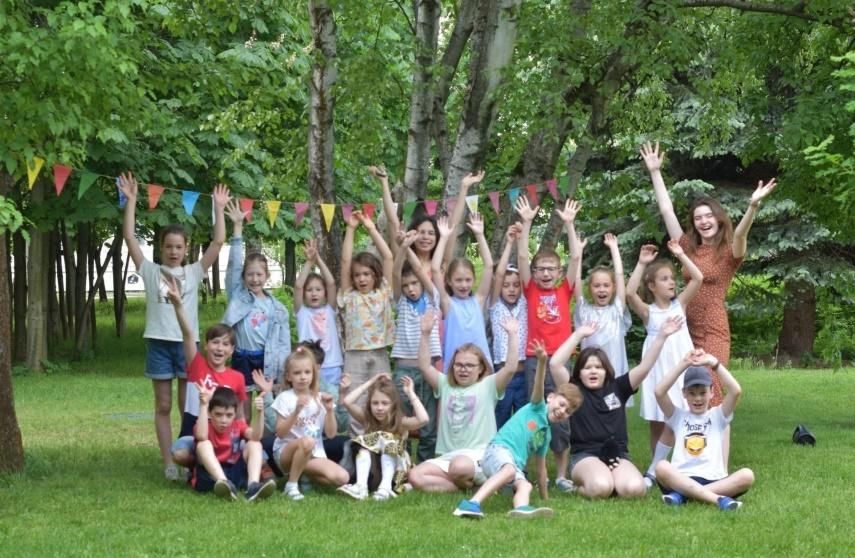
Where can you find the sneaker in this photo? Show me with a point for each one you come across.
(260, 490)
(526, 512)
(406, 487)
(293, 492)
(726, 503)
(674, 499)
(565, 485)
(355, 491)
(173, 473)
(225, 489)
(468, 508)
(384, 494)
(649, 480)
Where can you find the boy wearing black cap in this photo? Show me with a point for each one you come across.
(697, 469)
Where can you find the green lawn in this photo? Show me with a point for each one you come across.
(93, 486)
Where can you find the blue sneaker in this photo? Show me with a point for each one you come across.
(225, 489)
(674, 499)
(726, 503)
(526, 512)
(565, 485)
(468, 508)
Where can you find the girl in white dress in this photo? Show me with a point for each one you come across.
(659, 286)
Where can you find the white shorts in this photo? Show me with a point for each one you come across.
(444, 461)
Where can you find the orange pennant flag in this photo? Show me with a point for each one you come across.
(154, 192)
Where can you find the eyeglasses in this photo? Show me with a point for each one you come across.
(467, 366)
(545, 269)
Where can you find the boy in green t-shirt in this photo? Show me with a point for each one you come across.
(526, 433)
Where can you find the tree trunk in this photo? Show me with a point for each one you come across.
(11, 445)
(88, 306)
(321, 178)
(19, 247)
(421, 101)
(37, 294)
(289, 275)
(53, 304)
(120, 271)
(799, 326)
(81, 320)
(61, 285)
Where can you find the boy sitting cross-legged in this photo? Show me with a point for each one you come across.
(697, 469)
(527, 432)
(221, 464)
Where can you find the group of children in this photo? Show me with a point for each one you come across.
(481, 410)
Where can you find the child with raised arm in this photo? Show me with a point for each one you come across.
(506, 302)
(467, 419)
(660, 302)
(225, 465)
(697, 468)
(365, 299)
(386, 429)
(462, 308)
(260, 321)
(525, 434)
(416, 294)
(599, 462)
(316, 317)
(164, 356)
(549, 319)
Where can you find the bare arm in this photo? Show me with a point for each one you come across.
(188, 336)
(459, 208)
(397, 268)
(661, 390)
(128, 186)
(221, 198)
(234, 268)
(542, 478)
(620, 288)
(502, 266)
(330, 423)
(540, 372)
(653, 161)
(637, 374)
(431, 374)
(309, 251)
(512, 361)
(347, 251)
(285, 424)
(476, 225)
(201, 432)
(436, 264)
(568, 216)
(558, 362)
(420, 416)
(256, 431)
(419, 270)
(740, 234)
(734, 390)
(350, 400)
(696, 278)
(527, 214)
(578, 284)
(648, 254)
(329, 279)
(385, 252)
(388, 205)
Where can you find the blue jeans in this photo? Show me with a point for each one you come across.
(515, 398)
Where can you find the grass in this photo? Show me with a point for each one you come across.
(93, 485)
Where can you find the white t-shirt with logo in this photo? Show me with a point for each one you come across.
(310, 422)
(698, 446)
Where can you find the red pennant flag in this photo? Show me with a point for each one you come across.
(430, 207)
(300, 208)
(154, 192)
(346, 211)
(246, 206)
(553, 188)
(532, 194)
(60, 175)
(494, 199)
(368, 209)
(450, 204)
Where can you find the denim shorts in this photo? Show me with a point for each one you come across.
(185, 443)
(236, 473)
(496, 457)
(164, 360)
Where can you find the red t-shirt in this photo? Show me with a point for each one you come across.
(226, 444)
(200, 371)
(549, 317)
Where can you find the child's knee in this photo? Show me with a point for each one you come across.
(306, 444)
(600, 486)
(634, 488)
(163, 406)
(253, 448)
(461, 470)
(340, 476)
(745, 477)
(663, 469)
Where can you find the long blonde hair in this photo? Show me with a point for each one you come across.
(395, 418)
(301, 354)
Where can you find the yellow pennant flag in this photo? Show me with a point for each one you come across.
(33, 172)
(272, 211)
(328, 210)
(472, 203)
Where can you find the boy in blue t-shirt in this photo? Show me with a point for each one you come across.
(526, 433)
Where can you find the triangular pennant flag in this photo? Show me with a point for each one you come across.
(300, 209)
(450, 204)
(272, 211)
(553, 188)
(514, 194)
(123, 199)
(532, 194)
(409, 208)
(494, 199)
(564, 184)
(86, 180)
(246, 206)
(328, 210)
(430, 207)
(60, 175)
(347, 211)
(154, 192)
(189, 198)
(472, 203)
(33, 172)
(368, 209)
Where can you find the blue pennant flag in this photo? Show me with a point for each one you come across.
(189, 199)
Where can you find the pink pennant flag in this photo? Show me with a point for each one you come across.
(450, 204)
(494, 199)
(553, 188)
(430, 207)
(60, 175)
(300, 209)
(368, 210)
(246, 206)
(346, 211)
(154, 192)
(532, 194)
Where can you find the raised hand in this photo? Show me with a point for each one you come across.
(539, 349)
(303, 401)
(571, 209)
(610, 240)
(327, 401)
(648, 254)
(672, 325)
(379, 172)
(525, 210)
(408, 239)
(234, 212)
(443, 226)
(310, 250)
(172, 289)
(408, 387)
(221, 196)
(652, 157)
(365, 220)
(471, 179)
(588, 329)
(511, 325)
(675, 248)
(128, 186)
(264, 385)
(513, 232)
(762, 191)
(476, 224)
(205, 393)
(353, 220)
(344, 383)
(259, 403)
(428, 321)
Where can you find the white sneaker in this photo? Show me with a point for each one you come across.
(649, 480)
(565, 485)
(173, 473)
(293, 493)
(384, 494)
(355, 491)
